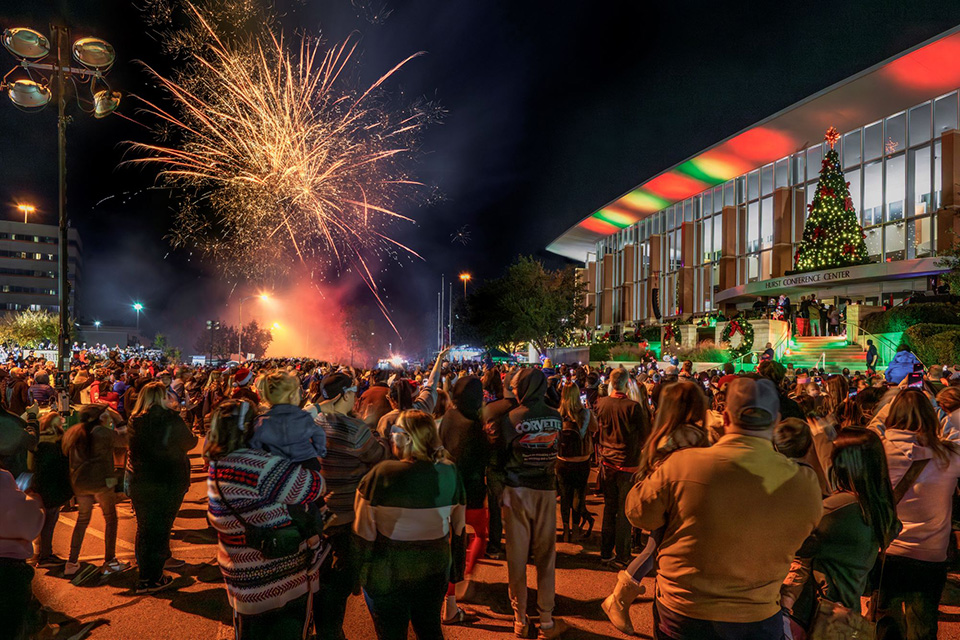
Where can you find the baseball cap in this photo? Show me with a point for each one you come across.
(752, 404)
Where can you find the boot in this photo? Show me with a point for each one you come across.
(617, 604)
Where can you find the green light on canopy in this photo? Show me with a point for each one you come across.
(616, 219)
(700, 171)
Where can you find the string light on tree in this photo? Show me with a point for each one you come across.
(832, 236)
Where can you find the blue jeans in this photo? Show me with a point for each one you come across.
(670, 625)
(643, 563)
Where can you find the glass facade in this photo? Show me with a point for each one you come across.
(892, 165)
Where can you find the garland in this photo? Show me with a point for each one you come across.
(745, 329)
(671, 333)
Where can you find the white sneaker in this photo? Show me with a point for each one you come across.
(114, 566)
(70, 569)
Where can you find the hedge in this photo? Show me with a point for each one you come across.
(909, 315)
(934, 343)
(600, 351)
(651, 334)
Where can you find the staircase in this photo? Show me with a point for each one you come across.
(806, 352)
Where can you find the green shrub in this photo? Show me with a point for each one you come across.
(934, 343)
(627, 353)
(600, 351)
(650, 334)
(705, 351)
(905, 316)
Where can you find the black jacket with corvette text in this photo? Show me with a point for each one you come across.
(528, 435)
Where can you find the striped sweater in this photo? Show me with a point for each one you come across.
(406, 514)
(259, 486)
(352, 450)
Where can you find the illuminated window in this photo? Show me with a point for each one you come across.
(895, 183)
(922, 193)
(894, 139)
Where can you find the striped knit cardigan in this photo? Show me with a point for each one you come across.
(258, 486)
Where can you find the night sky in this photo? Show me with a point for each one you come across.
(553, 110)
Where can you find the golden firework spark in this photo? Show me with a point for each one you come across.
(278, 159)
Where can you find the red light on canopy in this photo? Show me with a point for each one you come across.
(761, 144)
(674, 186)
(597, 225)
(933, 67)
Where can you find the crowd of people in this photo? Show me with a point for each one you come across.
(762, 498)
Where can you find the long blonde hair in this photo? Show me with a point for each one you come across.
(571, 409)
(152, 393)
(422, 441)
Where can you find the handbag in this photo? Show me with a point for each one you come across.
(833, 621)
(272, 543)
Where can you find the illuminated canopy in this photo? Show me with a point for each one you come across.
(928, 70)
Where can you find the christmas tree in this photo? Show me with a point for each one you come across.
(832, 236)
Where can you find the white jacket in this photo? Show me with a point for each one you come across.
(926, 507)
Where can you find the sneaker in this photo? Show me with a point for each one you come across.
(70, 569)
(555, 630)
(495, 553)
(174, 563)
(53, 560)
(146, 586)
(114, 566)
(523, 630)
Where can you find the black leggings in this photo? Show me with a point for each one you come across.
(572, 480)
(286, 623)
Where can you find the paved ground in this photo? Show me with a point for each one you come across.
(199, 609)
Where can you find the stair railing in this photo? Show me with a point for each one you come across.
(883, 340)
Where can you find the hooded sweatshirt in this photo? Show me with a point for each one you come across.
(21, 518)
(925, 508)
(528, 435)
(461, 432)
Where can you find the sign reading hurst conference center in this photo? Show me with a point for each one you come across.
(801, 279)
(832, 279)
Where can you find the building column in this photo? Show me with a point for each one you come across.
(688, 232)
(606, 294)
(948, 216)
(782, 233)
(653, 275)
(727, 272)
(628, 284)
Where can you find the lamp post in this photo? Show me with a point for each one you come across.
(138, 308)
(26, 210)
(96, 325)
(263, 297)
(465, 278)
(95, 56)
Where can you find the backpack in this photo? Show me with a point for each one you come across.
(571, 444)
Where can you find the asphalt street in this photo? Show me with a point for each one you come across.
(197, 608)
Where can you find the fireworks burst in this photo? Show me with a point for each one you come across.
(280, 160)
(462, 236)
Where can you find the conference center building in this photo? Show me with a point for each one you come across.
(721, 228)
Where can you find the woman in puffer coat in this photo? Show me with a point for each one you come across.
(902, 364)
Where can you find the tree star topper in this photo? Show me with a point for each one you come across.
(832, 136)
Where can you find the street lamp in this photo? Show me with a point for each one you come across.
(32, 93)
(138, 308)
(96, 325)
(465, 278)
(26, 209)
(263, 297)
